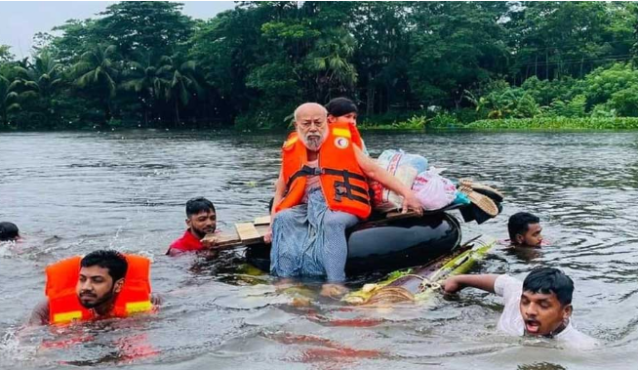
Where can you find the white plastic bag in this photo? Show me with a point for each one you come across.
(402, 166)
(390, 159)
(433, 191)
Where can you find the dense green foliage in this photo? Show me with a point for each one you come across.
(408, 65)
(549, 123)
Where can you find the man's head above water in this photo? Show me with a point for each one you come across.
(8, 232)
(311, 125)
(201, 218)
(546, 301)
(525, 230)
(101, 277)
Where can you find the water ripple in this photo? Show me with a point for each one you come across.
(76, 192)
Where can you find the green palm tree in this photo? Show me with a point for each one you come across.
(40, 80)
(330, 60)
(8, 99)
(143, 76)
(180, 81)
(97, 68)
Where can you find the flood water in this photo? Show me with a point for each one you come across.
(71, 193)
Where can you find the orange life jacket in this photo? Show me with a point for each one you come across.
(65, 307)
(356, 136)
(343, 183)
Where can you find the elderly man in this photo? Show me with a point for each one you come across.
(322, 190)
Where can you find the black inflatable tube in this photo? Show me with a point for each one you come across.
(388, 246)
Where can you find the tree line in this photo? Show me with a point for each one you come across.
(146, 64)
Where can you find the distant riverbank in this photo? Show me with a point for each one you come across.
(546, 123)
(416, 123)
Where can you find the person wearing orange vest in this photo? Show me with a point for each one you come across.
(322, 190)
(344, 110)
(102, 284)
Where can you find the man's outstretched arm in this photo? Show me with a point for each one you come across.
(483, 282)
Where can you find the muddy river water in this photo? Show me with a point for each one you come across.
(71, 193)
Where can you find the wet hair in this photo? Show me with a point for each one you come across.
(197, 205)
(109, 259)
(548, 280)
(338, 107)
(519, 224)
(8, 231)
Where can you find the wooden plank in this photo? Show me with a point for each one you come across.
(248, 233)
(263, 220)
(252, 234)
(399, 215)
(262, 229)
(229, 244)
(222, 241)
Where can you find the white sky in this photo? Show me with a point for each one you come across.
(23, 19)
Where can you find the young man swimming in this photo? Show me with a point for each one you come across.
(525, 230)
(9, 232)
(201, 219)
(540, 306)
(102, 284)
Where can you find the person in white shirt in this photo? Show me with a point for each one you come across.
(539, 306)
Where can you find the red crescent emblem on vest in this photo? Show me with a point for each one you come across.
(342, 142)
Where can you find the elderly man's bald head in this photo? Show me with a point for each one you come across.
(312, 109)
(311, 122)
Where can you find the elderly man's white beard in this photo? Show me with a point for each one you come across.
(313, 140)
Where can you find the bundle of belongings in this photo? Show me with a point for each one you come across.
(476, 202)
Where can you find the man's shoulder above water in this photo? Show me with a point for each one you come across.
(574, 339)
(188, 242)
(40, 314)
